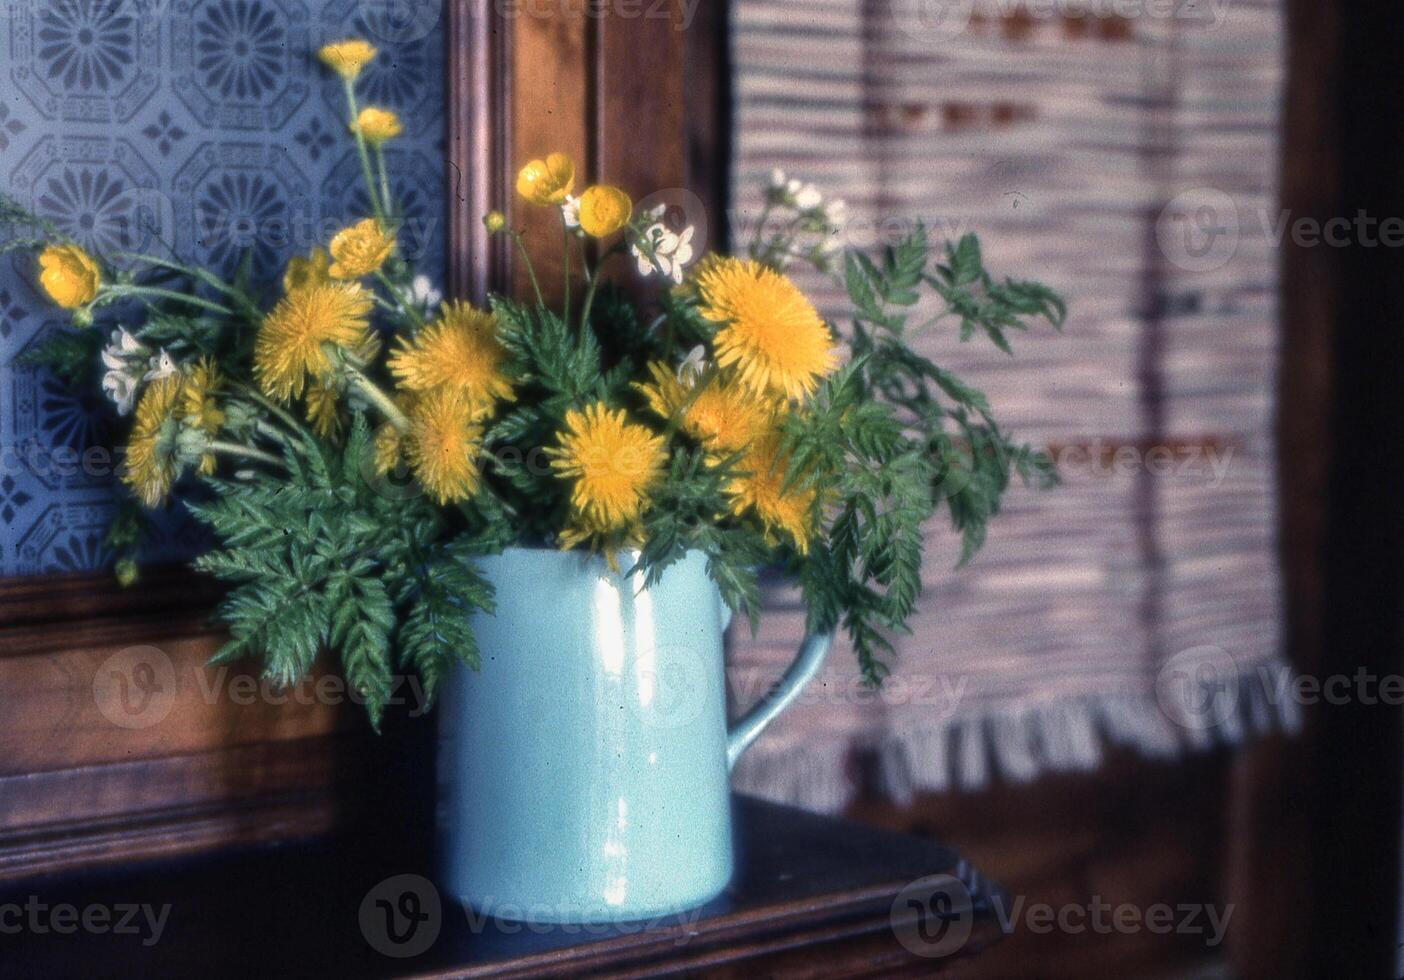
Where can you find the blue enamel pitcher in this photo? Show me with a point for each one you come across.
(583, 772)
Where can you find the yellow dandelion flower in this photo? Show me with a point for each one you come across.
(759, 486)
(293, 341)
(377, 126)
(311, 271)
(443, 444)
(388, 449)
(724, 417)
(547, 181)
(459, 350)
(604, 210)
(772, 334)
(360, 250)
(69, 275)
(348, 57)
(613, 463)
(197, 397)
(323, 411)
(198, 406)
(152, 464)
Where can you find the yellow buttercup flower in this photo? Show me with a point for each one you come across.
(347, 58)
(459, 350)
(759, 486)
(311, 271)
(547, 181)
(69, 275)
(152, 464)
(613, 464)
(294, 339)
(360, 250)
(604, 210)
(494, 222)
(377, 126)
(724, 417)
(772, 334)
(443, 444)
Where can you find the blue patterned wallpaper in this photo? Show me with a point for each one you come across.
(202, 125)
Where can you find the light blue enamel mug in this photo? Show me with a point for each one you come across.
(583, 772)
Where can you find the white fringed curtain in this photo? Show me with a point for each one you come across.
(1118, 159)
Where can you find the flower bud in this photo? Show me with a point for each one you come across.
(126, 572)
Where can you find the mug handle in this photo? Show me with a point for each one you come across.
(749, 727)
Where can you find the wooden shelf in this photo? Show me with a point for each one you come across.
(812, 896)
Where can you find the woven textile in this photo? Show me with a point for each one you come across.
(1126, 157)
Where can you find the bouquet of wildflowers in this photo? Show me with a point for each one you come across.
(357, 442)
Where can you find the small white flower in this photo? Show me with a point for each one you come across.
(161, 367)
(121, 387)
(122, 348)
(836, 213)
(807, 198)
(425, 294)
(570, 211)
(125, 343)
(681, 254)
(671, 252)
(778, 180)
(693, 366)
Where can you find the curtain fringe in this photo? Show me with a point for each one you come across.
(1072, 735)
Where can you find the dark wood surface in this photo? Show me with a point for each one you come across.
(812, 896)
(61, 602)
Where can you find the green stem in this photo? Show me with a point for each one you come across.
(121, 291)
(205, 276)
(368, 390)
(595, 278)
(589, 302)
(351, 106)
(244, 452)
(760, 229)
(406, 302)
(585, 269)
(255, 396)
(531, 269)
(565, 241)
(388, 204)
